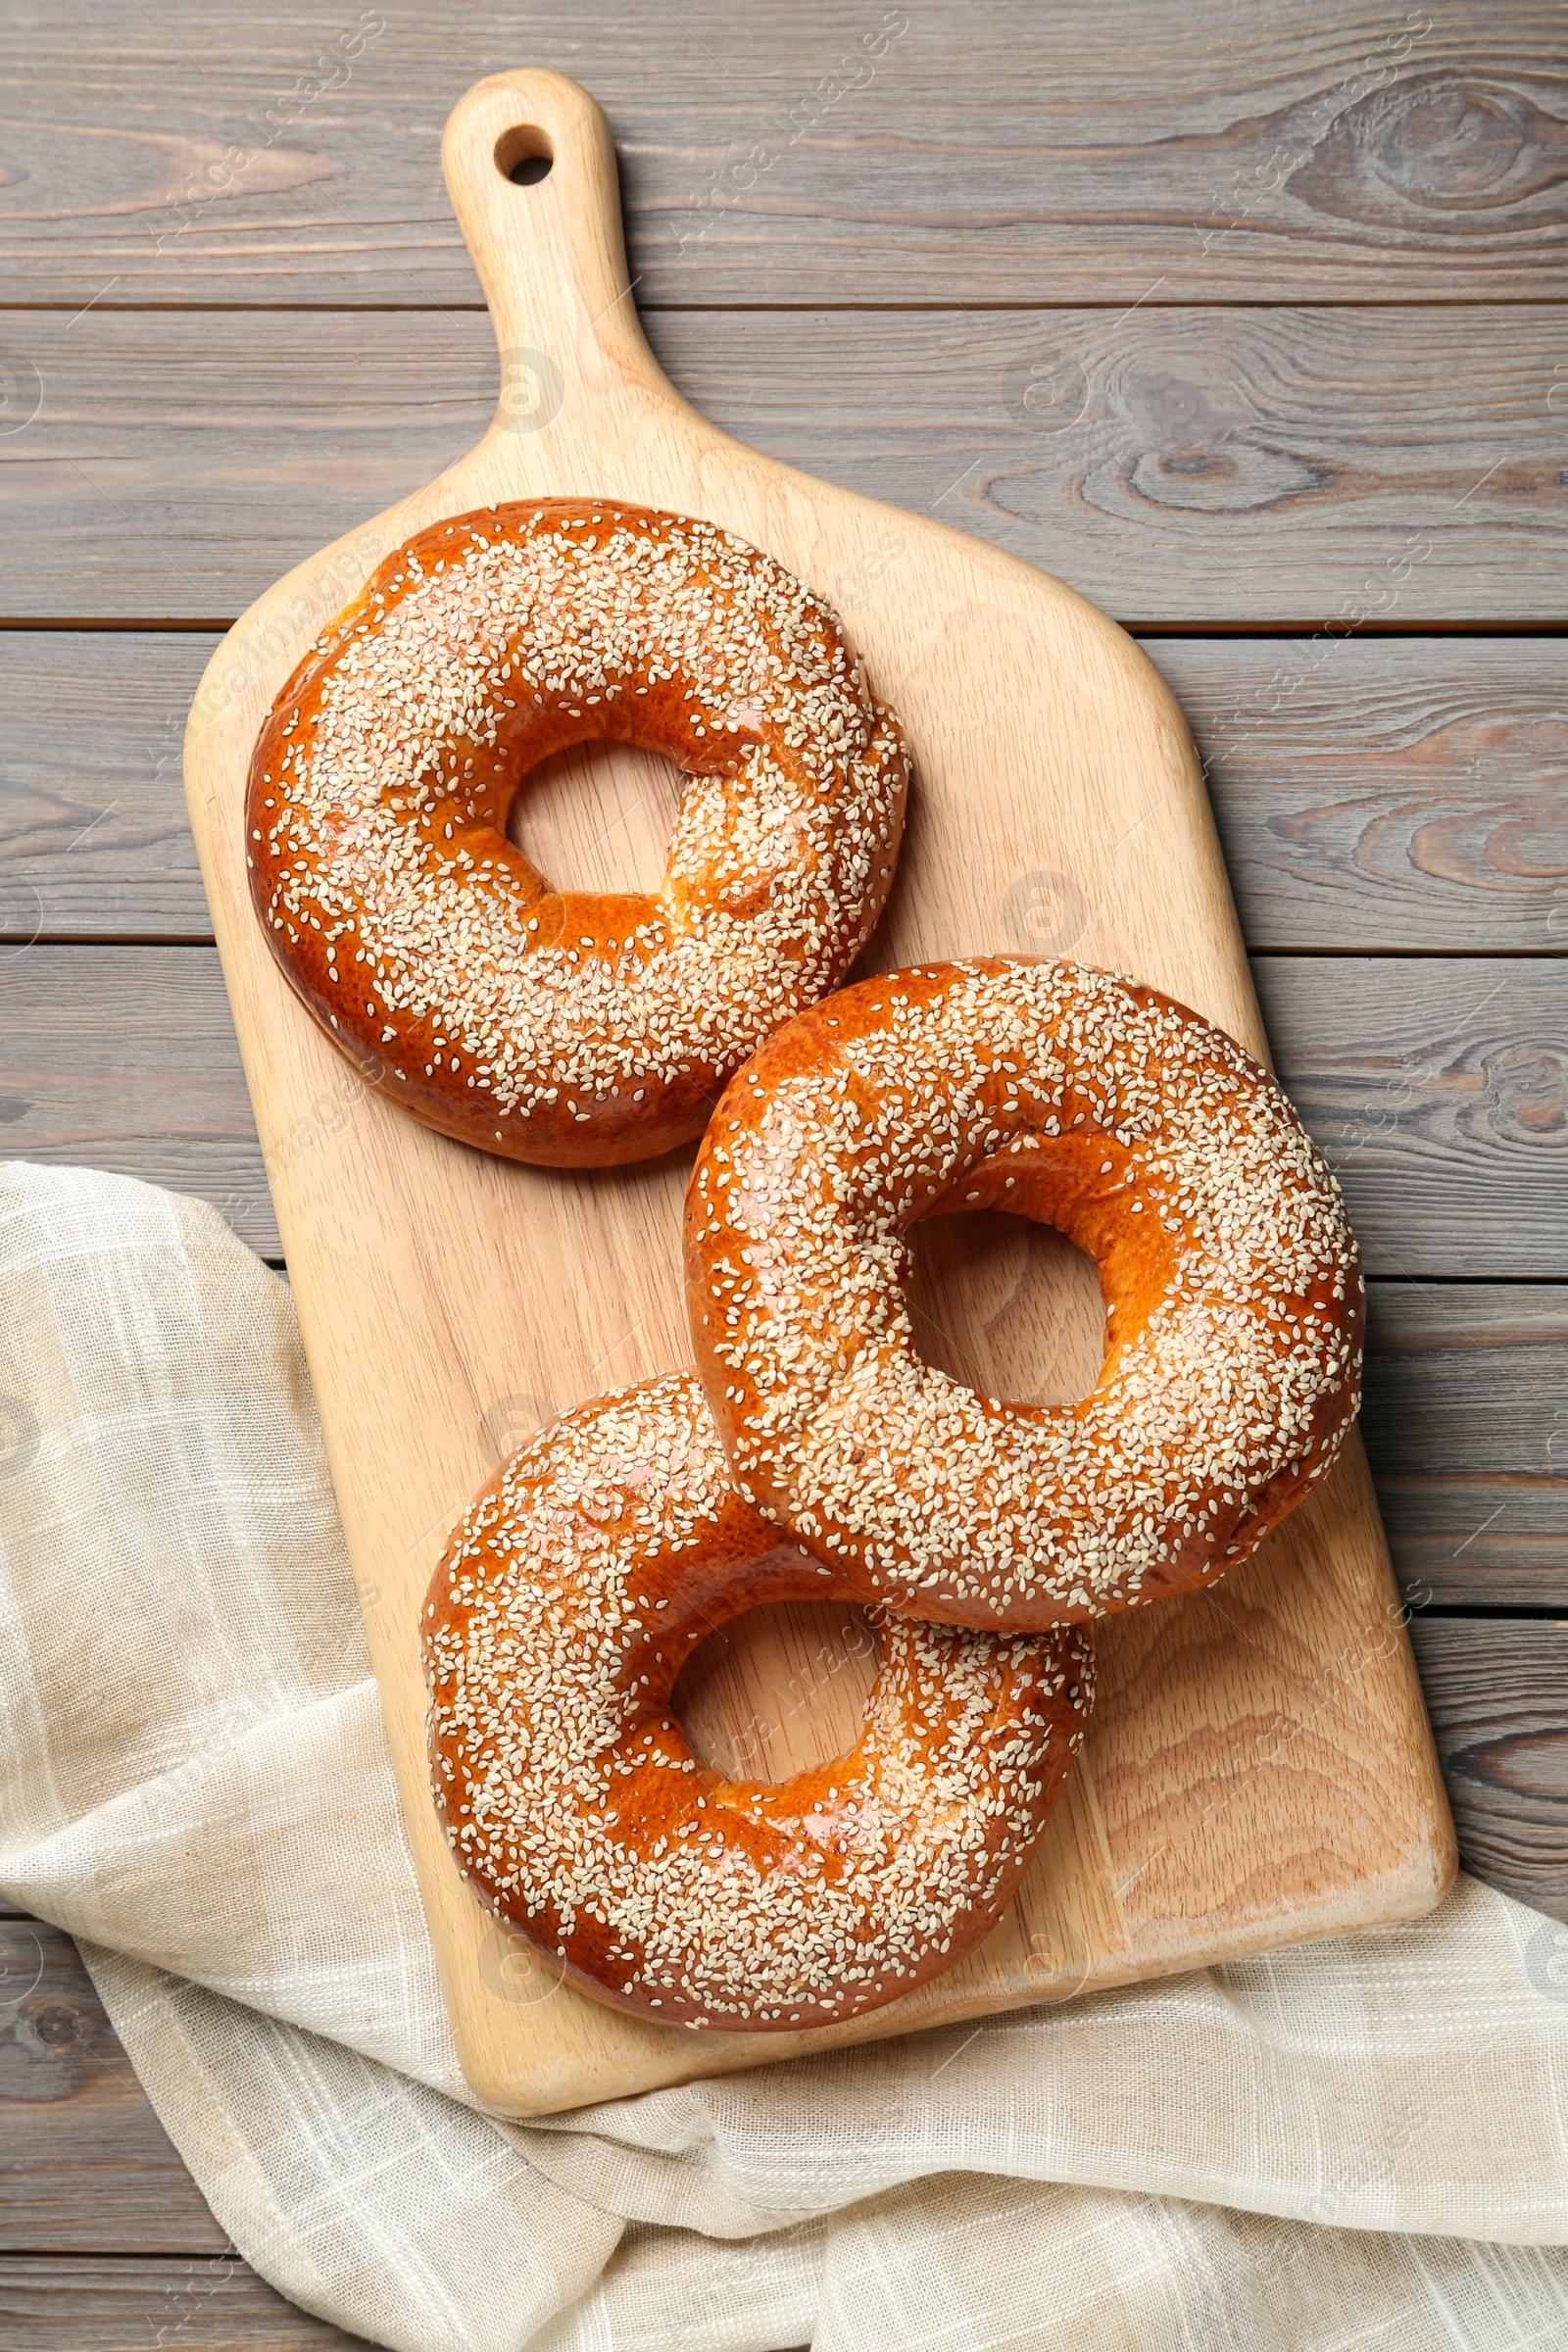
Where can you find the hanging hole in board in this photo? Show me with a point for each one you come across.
(523, 155)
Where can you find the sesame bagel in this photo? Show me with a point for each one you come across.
(1233, 1291)
(570, 1027)
(571, 1595)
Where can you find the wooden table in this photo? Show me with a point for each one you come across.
(1243, 319)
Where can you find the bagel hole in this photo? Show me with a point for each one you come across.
(598, 817)
(525, 155)
(778, 1690)
(1010, 1307)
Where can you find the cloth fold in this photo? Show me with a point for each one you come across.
(1359, 2142)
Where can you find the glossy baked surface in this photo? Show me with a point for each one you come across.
(553, 1635)
(1234, 1303)
(570, 1027)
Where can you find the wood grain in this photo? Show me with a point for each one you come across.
(1439, 1093)
(1346, 469)
(1435, 1088)
(910, 154)
(1495, 1695)
(1465, 1417)
(94, 837)
(84, 2163)
(1363, 804)
(1176, 1840)
(214, 2305)
(125, 1059)
(1407, 794)
(1404, 795)
(1337, 467)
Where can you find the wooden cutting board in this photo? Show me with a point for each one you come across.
(1259, 1769)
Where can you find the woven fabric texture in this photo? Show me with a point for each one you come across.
(1359, 2143)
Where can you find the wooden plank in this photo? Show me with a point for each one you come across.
(1434, 1087)
(1439, 1093)
(1360, 467)
(1371, 793)
(1465, 1417)
(1343, 468)
(1089, 750)
(125, 1059)
(1406, 794)
(95, 839)
(1495, 1696)
(1466, 1410)
(880, 155)
(218, 2304)
(84, 2164)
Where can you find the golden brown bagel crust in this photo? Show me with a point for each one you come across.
(1233, 1291)
(570, 1027)
(576, 1587)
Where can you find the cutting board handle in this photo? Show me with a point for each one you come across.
(530, 168)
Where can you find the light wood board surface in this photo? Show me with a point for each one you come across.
(1259, 1769)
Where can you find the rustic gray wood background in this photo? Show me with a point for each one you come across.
(1243, 318)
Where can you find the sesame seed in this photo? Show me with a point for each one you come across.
(393, 758)
(1234, 1311)
(574, 1804)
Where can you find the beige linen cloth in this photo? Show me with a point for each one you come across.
(1356, 2144)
